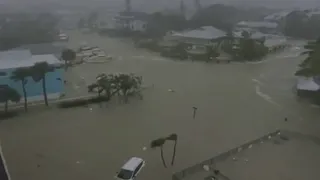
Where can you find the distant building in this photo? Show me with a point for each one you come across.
(201, 36)
(265, 27)
(11, 60)
(131, 21)
(276, 17)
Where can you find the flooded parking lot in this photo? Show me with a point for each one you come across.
(236, 102)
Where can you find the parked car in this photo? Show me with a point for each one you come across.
(131, 169)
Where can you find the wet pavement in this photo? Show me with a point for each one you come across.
(236, 103)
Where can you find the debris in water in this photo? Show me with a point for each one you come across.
(78, 162)
(269, 137)
(250, 146)
(246, 160)
(206, 167)
(90, 109)
(144, 148)
(239, 149)
(170, 90)
(234, 159)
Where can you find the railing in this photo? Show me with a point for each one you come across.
(198, 167)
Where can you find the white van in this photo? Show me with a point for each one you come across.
(131, 169)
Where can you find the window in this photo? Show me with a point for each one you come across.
(125, 174)
(3, 74)
(138, 168)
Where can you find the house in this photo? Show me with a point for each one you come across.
(262, 26)
(273, 42)
(276, 17)
(11, 60)
(307, 86)
(202, 36)
(131, 21)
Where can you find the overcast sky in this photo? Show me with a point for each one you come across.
(172, 3)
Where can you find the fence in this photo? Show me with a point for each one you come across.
(199, 167)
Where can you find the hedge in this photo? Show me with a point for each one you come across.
(82, 102)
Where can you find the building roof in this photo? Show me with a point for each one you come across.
(205, 32)
(258, 24)
(276, 16)
(308, 83)
(23, 58)
(43, 48)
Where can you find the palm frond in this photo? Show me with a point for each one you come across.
(172, 137)
(157, 142)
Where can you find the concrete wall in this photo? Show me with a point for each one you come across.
(34, 89)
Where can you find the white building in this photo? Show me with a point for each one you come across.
(265, 27)
(132, 21)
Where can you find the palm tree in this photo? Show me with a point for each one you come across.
(173, 137)
(68, 55)
(8, 94)
(21, 74)
(159, 143)
(39, 71)
(311, 65)
(103, 83)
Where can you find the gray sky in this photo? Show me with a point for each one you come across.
(160, 4)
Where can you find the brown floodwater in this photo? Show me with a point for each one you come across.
(235, 103)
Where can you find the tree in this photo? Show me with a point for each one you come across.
(8, 94)
(121, 84)
(39, 71)
(103, 83)
(159, 143)
(250, 49)
(68, 55)
(311, 65)
(173, 137)
(21, 74)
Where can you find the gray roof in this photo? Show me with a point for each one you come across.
(308, 83)
(23, 58)
(40, 49)
(258, 24)
(205, 32)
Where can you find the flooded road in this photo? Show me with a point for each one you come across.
(236, 103)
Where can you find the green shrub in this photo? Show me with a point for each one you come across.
(82, 102)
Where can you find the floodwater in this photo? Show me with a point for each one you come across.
(236, 103)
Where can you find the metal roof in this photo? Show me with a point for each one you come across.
(205, 32)
(258, 24)
(23, 58)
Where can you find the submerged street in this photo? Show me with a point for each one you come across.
(236, 102)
